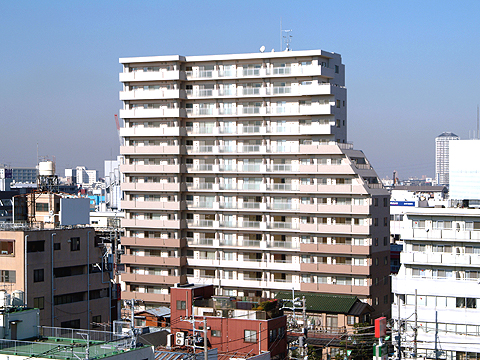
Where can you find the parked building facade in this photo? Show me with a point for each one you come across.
(237, 173)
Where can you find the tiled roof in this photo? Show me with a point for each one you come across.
(324, 303)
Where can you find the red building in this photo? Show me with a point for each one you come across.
(233, 325)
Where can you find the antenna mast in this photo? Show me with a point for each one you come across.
(287, 39)
(477, 123)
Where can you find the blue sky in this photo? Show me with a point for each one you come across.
(412, 68)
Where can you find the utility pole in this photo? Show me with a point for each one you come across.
(436, 334)
(415, 329)
(399, 324)
(305, 328)
(205, 346)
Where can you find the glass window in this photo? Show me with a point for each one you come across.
(250, 335)
(181, 305)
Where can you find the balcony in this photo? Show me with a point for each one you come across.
(242, 243)
(153, 260)
(202, 242)
(163, 74)
(154, 150)
(288, 245)
(147, 297)
(151, 94)
(151, 113)
(153, 242)
(153, 279)
(340, 249)
(336, 289)
(335, 269)
(150, 168)
(445, 234)
(126, 186)
(151, 131)
(283, 225)
(167, 224)
(444, 259)
(151, 205)
(282, 206)
(202, 224)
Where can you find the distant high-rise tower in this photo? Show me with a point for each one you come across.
(441, 156)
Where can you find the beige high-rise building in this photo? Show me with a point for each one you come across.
(237, 172)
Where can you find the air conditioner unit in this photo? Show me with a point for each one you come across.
(179, 338)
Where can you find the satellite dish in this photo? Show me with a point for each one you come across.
(262, 49)
(273, 50)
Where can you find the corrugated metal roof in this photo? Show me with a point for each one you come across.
(168, 355)
(324, 303)
(159, 312)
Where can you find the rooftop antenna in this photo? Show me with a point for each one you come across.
(284, 39)
(287, 39)
(477, 123)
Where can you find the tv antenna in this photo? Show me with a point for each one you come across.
(285, 39)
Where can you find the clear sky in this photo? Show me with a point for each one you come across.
(412, 68)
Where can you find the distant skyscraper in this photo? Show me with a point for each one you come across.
(441, 156)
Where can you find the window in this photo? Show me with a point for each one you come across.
(36, 246)
(375, 222)
(7, 276)
(56, 246)
(250, 336)
(39, 303)
(385, 260)
(41, 207)
(6, 247)
(337, 69)
(375, 202)
(376, 241)
(385, 299)
(419, 224)
(181, 305)
(38, 275)
(385, 241)
(69, 298)
(72, 324)
(338, 104)
(97, 319)
(350, 320)
(75, 244)
(376, 261)
(216, 333)
(385, 221)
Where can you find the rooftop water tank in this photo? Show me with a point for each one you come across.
(46, 168)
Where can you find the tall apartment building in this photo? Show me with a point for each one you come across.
(441, 265)
(442, 157)
(237, 173)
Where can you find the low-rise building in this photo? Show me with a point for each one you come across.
(233, 326)
(60, 272)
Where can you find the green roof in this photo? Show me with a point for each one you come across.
(323, 303)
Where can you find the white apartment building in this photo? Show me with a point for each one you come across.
(85, 177)
(441, 261)
(442, 157)
(237, 173)
(465, 170)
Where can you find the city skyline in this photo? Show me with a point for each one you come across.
(60, 79)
